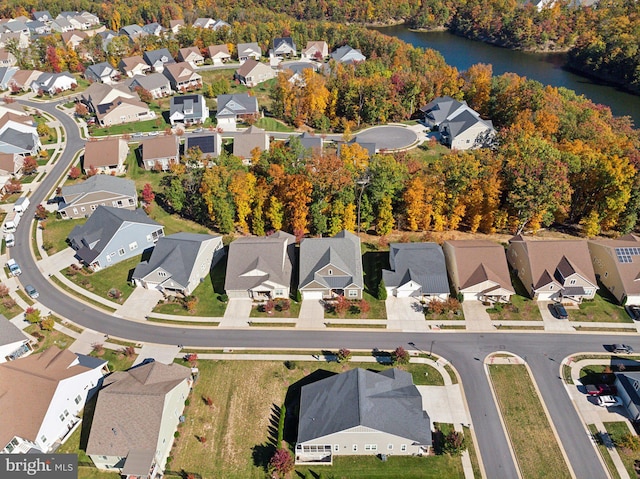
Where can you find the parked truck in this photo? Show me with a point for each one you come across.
(11, 222)
(21, 205)
(14, 268)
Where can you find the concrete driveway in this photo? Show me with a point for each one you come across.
(159, 352)
(57, 262)
(405, 314)
(388, 137)
(476, 316)
(237, 313)
(551, 323)
(444, 404)
(139, 304)
(311, 314)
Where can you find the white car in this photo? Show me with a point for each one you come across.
(608, 401)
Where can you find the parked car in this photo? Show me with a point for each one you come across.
(153, 133)
(9, 240)
(608, 401)
(600, 390)
(14, 268)
(634, 312)
(622, 348)
(559, 311)
(31, 291)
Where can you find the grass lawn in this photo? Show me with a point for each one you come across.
(428, 152)
(533, 441)
(271, 124)
(292, 312)
(156, 124)
(102, 281)
(54, 236)
(604, 452)
(520, 309)
(207, 293)
(237, 425)
(118, 361)
(616, 431)
(10, 312)
(51, 338)
(378, 310)
(174, 223)
(601, 309)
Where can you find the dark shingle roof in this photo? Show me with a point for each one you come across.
(162, 55)
(421, 262)
(206, 143)
(387, 401)
(236, 104)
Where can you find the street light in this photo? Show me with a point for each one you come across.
(431, 347)
(363, 181)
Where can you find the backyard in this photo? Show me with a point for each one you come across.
(54, 236)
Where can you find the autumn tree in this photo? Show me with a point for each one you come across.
(29, 165)
(243, 189)
(147, 194)
(281, 463)
(215, 191)
(74, 172)
(385, 221)
(81, 109)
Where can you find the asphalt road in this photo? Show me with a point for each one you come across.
(466, 351)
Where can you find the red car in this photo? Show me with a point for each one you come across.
(600, 389)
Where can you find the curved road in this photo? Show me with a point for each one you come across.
(466, 351)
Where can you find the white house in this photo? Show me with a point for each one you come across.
(45, 394)
(52, 83)
(13, 342)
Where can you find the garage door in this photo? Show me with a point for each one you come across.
(312, 295)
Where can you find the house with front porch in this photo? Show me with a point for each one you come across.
(155, 83)
(188, 110)
(553, 270)
(315, 50)
(106, 156)
(478, 270)
(283, 47)
(361, 413)
(158, 59)
(219, 54)
(102, 72)
(82, 199)
(111, 235)
(135, 419)
(246, 51)
(234, 107)
(42, 397)
(182, 76)
(135, 65)
(179, 263)
(616, 263)
(331, 267)
(260, 267)
(252, 73)
(191, 55)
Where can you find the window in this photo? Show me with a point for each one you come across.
(75, 211)
(355, 448)
(162, 274)
(78, 399)
(93, 207)
(330, 272)
(550, 286)
(121, 251)
(133, 246)
(131, 201)
(62, 417)
(336, 447)
(370, 447)
(114, 203)
(43, 438)
(390, 447)
(66, 413)
(278, 292)
(108, 259)
(353, 293)
(573, 281)
(83, 209)
(403, 447)
(606, 273)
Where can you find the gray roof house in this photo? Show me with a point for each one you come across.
(248, 50)
(155, 83)
(135, 418)
(102, 72)
(6, 74)
(111, 235)
(260, 267)
(179, 263)
(38, 28)
(82, 199)
(13, 342)
(361, 412)
(283, 47)
(133, 32)
(209, 144)
(311, 145)
(628, 385)
(157, 59)
(416, 270)
(153, 29)
(250, 139)
(188, 109)
(331, 267)
(348, 55)
(232, 108)
(440, 109)
(42, 16)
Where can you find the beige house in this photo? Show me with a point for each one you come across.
(616, 264)
(191, 55)
(82, 199)
(107, 156)
(134, 65)
(553, 270)
(478, 270)
(182, 76)
(135, 418)
(160, 152)
(219, 54)
(315, 51)
(114, 105)
(11, 163)
(252, 72)
(23, 79)
(361, 413)
(250, 139)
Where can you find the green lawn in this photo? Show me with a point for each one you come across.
(51, 338)
(604, 451)
(601, 309)
(102, 281)
(378, 310)
(521, 308)
(174, 223)
(208, 293)
(292, 312)
(616, 430)
(156, 124)
(10, 312)
(271, 124)
(55, 235)
(533, 441)
(117, 360)
(428, 152)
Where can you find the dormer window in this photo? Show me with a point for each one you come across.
(573, 281)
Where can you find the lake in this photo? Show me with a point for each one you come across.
(545, 68)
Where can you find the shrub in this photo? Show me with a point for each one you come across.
(343, 355)
(47, 323)
(128, 351)
(341, 305)
(4, 291)
(269, 306)
(364, 306)
(290, 365)
(207, 400)
(176, 434)
(455, 443)
(97, 348)
(382, 291)
(192, 359)
(281, 463)
(32, 315)
(298, 296)
(627, 440)
(400, 356)
(9, 303)
(223, 298)
(115, 293)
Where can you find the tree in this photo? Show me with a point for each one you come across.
(343, 355)
(81, 109)
(43, 129)
(341, 305)
(32, 315)
(174, 194)
(144, 94)
(281, 463)
(74, 172)
(30, 165)
(13, 186)
(400, 356)
(147, 194)
(243, 189)
(454, 443)
(41, 212)
(382, 291)
(4, 290)
(385, 221)
(275, 213)
(47, 323)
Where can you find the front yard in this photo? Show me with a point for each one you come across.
(377, 309)
(55, 234)
(279, 310)
(46, 339)
(619, 431)
(107, 281)
(519, 309)
(601, 309)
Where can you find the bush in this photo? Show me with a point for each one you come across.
(627, 440)
(9, 303)
(47, 324)
(281, 463)
(32, 315)
(298, 296)
(455, 443)
(382, 291)
(400, 356)
(128, 351)
(97, 348)
(343, 355)
(4, 291)
(290, 365)
(223, 298)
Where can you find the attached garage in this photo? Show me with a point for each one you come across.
(312, 295)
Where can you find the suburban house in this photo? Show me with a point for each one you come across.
(315, 50)
(210, 23)
(188, 109)
(252, 72)
(82, 20)
(18, 134)
(23, 79)
(191, 55)
(133, 32)
(219, 54)
(52, 83)
(114, 105)
(38, 28)
(231, 108)
(73, 38)
(45, 394)
(82, 199)
(153, 29)
(6, 74)
(42, 16)
(553, 270)
(135, 418)
(14, 343)
(111, 235)
(460, 127)
(11, 164)
(107, 156)
(160, 152)
(155, 83)
(106, 36)
(7, 59)
(15, 26)
(179, 263)
(417, 270)
(209, 144)
(182, 76)
(260, 267)
(616, 264)
(331, 267)
(134, 65)
(175, 25)
(248, 50)
(61, 25)
(311, 145)
(361, 413)
(478, 270)
(283, 47)
(627, 387)
(245, 143)
(370, 147)
(158, 59)
(346, 54)
(102, 72)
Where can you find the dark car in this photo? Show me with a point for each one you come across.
(600, 389)
(558, 311)
(622, 348)
(31, 291)
(634, 312)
